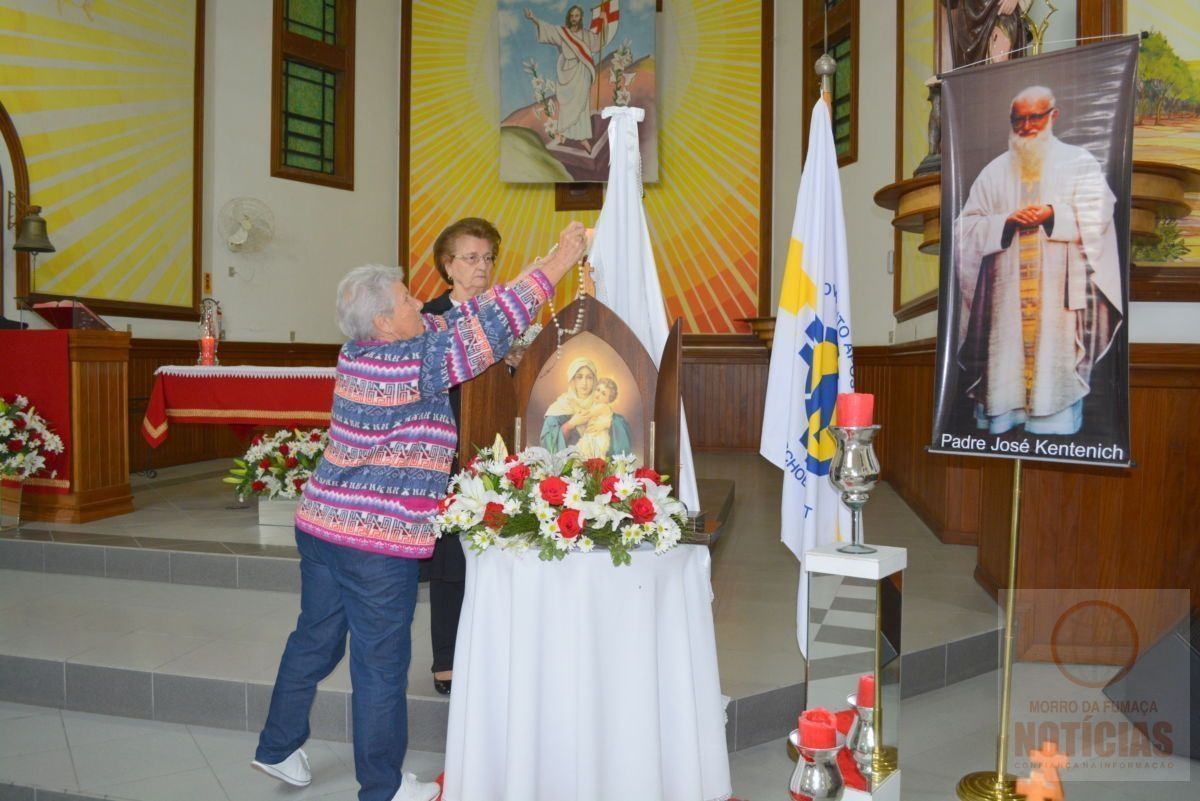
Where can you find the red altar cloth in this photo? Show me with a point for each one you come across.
(242, 396)
(36, 364)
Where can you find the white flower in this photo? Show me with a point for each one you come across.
(623, 462)
(473, 496)
(548, 529)
(562, 544)
(602, 514)
(660, 494)
(21, 402)
(623, 97)
(585, 543)
(626, 486)
(633, 534)
(512, 506)
(543, 511)
(573, 499)
(482, 540)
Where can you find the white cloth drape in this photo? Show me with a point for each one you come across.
(626, 275)
(578, 681)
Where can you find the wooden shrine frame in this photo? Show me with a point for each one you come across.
(493, 402)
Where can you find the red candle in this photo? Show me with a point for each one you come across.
(866, 691)
(818, 728)
(855, 409)
(208, 350)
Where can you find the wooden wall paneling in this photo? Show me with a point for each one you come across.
(724, 387)
(942, 490)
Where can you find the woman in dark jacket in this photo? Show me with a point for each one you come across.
(464, 254)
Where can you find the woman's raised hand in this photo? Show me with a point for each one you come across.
(572, 242)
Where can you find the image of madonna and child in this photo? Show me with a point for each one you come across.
(583, 415)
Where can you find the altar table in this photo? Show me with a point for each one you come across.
(241, 395)
(580, 681)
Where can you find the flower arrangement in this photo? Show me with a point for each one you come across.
(278, 465)
(544, 91)
(25, 438)
(557, 504)
(622, 58)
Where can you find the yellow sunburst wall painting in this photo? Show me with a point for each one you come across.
(102, 94)
(704, 211)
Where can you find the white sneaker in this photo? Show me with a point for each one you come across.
(294, 770)
(411, 789)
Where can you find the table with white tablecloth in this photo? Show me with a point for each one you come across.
(579, 681)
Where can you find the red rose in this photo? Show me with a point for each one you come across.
(15, 445)
(19, 422)
(642, 510)
(284, 450)
(648, 473)
(291, 462)
(472, 466)
(298, 483)
(568, 524)
(314, 436)
(609, 484)
(596, 466)
(444, 503)
(517, 475)
(265, 463)
(512, 457)
(258, 486)
(493, 515)
(554, 490)
(257, 440)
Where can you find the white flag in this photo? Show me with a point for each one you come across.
(812, 360)
(626, 277)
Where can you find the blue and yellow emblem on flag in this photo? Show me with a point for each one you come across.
(820, 353)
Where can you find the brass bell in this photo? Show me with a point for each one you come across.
(31, 238)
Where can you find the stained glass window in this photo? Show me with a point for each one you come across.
(316, 19)
(308, 117)
(313, 124)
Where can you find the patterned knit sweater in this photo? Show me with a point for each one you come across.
(391, 433)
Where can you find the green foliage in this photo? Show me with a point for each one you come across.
(1165, 81)
(1169, 247)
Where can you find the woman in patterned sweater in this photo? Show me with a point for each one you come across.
(365, 515)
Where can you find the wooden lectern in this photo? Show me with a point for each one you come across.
(82, 376)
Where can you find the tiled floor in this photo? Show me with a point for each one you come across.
(945, 734)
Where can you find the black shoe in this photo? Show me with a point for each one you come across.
(442, 686)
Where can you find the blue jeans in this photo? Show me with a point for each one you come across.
(372, 596)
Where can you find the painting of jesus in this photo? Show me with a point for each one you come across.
(558, 71)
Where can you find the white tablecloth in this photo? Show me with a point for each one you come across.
(579, 681)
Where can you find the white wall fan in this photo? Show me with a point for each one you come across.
(245, 225)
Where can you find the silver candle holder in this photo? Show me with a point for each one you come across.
(817, 774)
(861, 740)
(854, 471)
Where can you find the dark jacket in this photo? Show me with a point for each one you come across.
(440, 305)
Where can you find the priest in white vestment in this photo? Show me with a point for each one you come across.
(576, 71)
(1039, 277)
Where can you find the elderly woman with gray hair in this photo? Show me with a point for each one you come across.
(366, 514)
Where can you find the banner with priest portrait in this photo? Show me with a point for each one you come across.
(1033, 350)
